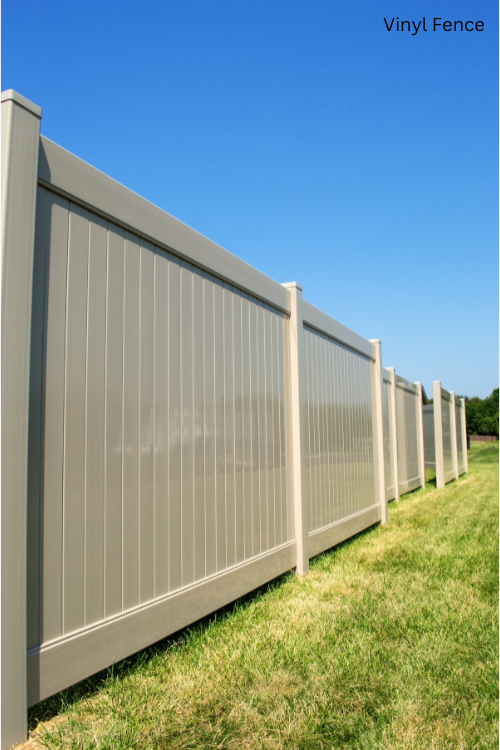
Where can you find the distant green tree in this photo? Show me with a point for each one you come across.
(482, 414)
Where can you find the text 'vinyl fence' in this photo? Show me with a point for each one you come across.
(181, 428)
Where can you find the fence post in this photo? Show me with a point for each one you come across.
(20, 141)
(298, 413)
(438, 433)
(378, 430)
(454, 440)
(393, 431)
(464, 436)
(420, 433)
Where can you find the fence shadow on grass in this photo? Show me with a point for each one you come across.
(49, 708)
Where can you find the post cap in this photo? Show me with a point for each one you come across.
(11, 95)
(292, 285)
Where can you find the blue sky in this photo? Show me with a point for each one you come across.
(306, 139)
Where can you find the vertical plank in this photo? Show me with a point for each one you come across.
(53, 439)
(35, 449)
(310, 422)
(367, 458)
(329, 441)
(280, 321)
(210, 436)
(187, 508)
(332, 432)
(317, 432)
(353, 368)
(254, 416)
(334, 438)
(161, 461)
(362, 486)
(352, 425)
(343, 432)
(317, 429)
(174, 423)
(74, 422)
(276, 432)
(238, 427)
(198, 437)
(323, 434)
(246, 426)
(351, 380)
(378, 443)
(96, 400)
(131, 402)
(114, 423)
(269, 344)
(288, 445)
(229, 425)
(220, 457)
(263, 468)
(147, 427)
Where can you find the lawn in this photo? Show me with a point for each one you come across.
(390, 642)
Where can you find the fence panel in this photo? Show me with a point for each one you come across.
(450, 435)
(446, 408)
(340, 461)
(461, 436)
(408, 416)
(159, 395)
(429, 438)
(390, 450)
(340, 454)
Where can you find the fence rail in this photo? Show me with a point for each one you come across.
(178, 428)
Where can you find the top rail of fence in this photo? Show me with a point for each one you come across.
(72, 177)
(323, 323)
(407, 385)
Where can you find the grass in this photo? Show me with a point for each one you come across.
(390, 642)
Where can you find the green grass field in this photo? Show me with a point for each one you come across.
(390, 642)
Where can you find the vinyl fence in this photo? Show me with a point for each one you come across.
(390, 433)
(429, 438)
(411, 468)
(178, 429)
(447, 441)
(403, 434)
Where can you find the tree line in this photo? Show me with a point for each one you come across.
(482, 414)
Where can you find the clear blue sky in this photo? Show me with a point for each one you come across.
(306, 139)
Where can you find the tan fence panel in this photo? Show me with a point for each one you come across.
(446, 407)
(407, 413)
(159, 396)
(339, 445)
(461, 436)
(390, 451)
(429, 438)
(450, 435)
(340, 454)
